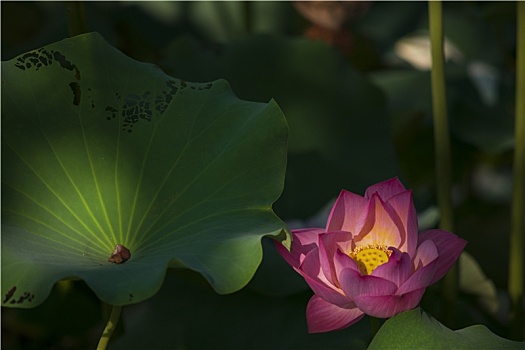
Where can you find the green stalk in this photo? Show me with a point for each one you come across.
(110, 327)
(375, 324)
(442, 150)
(248, 6)
(76, 18)
(518, 209)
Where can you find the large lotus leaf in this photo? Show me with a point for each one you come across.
(416, 330)
(100, 150)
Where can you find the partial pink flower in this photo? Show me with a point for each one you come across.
(370, 258)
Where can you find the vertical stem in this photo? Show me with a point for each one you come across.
(248, 6)
(76, 18)
(442, 149)
(518, 209)
(375, 324)
(110, 327)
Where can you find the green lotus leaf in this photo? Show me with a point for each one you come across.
(415, 329)
(99, 150)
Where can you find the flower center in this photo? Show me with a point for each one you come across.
(369, 257)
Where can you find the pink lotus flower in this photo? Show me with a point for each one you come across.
(370, 259)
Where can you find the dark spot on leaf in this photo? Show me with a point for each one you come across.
(9, 294)
(34, 61)
(23, 297)
(113, 112)
(163, 99)
(172, 85)
(64, 63)
(46, 53)
(76, 92)
(135, 109)
(120, 254)
(130, 296)
(30, 55)
(44, 60)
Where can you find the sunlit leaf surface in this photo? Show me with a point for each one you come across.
(100, 150)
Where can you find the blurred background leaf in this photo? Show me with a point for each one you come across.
(338, 121)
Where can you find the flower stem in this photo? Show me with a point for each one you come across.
(76, 18)
(518, 207)
(442, 149)
(110, 327)
(248, 7)
(375, 324)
